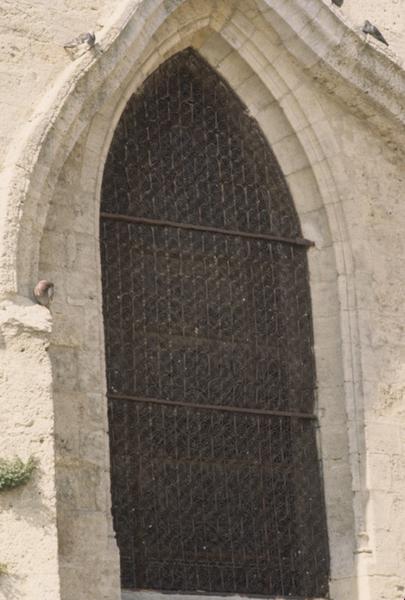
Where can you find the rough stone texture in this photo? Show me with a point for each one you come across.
(388, 16)
(32, 55)
(27, 514)
(332, 108)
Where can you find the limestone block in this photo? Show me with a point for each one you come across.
(28, 514)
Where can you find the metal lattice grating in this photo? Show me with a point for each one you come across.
(215, 475)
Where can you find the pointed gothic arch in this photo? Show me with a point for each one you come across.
(215, 474)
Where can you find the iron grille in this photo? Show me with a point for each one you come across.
(216, 483)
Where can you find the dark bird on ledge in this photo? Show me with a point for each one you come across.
(84, 39)
(338, 2)
(370, 29)
(43, 292)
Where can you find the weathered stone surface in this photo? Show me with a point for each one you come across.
(332, 107)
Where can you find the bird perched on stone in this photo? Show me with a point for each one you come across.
(370, 29)
(43, 292)
(84, 39)
(338, 2)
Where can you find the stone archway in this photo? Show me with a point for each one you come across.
(81, 177)
(52, 192)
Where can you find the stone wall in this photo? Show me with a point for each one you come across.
(387, 16)
(331, 108)
(32, 57)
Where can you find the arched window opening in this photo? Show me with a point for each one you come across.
(216, 482)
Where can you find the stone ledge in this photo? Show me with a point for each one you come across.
(22, 315)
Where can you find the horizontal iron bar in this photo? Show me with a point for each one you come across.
(192, 227)
(233, 409)
(231, 462)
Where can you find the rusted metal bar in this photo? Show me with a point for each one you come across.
(203, 228)
(219, 407)
(175, 460)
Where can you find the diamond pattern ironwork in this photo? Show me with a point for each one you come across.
(215, 475)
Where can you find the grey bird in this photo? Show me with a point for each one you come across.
(338, 2)
(88, 39)
(43, 292)
(370, 29)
